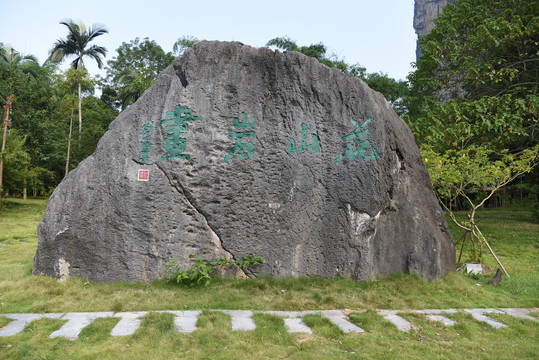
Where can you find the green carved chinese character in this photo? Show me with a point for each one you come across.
(146, 143)
(356, 136)
(244, 149)
(147, 130)
(176, 126)
(314, 146)
(145, 153)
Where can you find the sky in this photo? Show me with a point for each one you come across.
(378, 34)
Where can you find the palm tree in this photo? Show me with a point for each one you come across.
(73, 77)
(77, 44)
(13, 59)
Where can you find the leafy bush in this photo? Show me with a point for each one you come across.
(201, 271)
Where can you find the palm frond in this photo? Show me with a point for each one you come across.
(95, 31)
(76, 44)
(96, 52)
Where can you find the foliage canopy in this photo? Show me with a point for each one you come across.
(475, 102)
(77, 44)
(134, 69)
(478, 74)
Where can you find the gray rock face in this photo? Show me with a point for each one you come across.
(249, 151)
(425, 12)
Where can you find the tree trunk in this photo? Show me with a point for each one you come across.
(25, 189)
(80, 113)
(2, 155)
(69, 138)
(7, 107)
(492, 251)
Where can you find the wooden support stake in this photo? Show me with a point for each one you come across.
(492, 251)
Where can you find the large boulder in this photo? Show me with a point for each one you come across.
(236, 150)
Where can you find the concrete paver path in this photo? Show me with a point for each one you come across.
(242, 320)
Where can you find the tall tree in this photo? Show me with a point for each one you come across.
(99, 115)
(475, 90)
(478, 75)
(14, 64)
(7, 108)
(16, 161)
(13, 59)
(397, 92)
(65, 83)
(134, 69)
(35, 117)
(77, 44)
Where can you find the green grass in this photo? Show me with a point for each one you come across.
(19, 219)
(512, 234)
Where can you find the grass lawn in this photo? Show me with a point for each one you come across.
(512, 234)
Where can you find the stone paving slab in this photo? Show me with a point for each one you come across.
(185, 321)
(21, 320)
(392, 317)
(436, 315)
(77, 322)
(522, 313)
(242, 320)
(129, 323)
(340, 319)
(292, 320)
(296, 325)
(478, 315)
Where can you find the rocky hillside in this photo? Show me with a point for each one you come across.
(425, 11)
